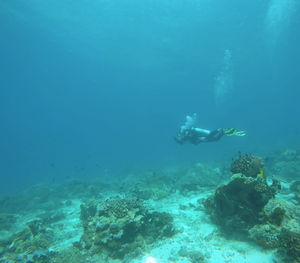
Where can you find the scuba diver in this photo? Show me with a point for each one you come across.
(194, 135)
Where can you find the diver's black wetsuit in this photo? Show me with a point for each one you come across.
(215, 135)
(196, 135)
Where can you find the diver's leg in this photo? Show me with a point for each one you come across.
(215, 135)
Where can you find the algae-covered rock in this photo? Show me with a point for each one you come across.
(291, 243)
(247, 205)
(199, 176)
(154, 185)
(156, 225)
(121, 227)
(285, 164)
(279, 229)
(238, 205)
(275, 212)
(268, 233)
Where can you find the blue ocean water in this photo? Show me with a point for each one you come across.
(93, 87)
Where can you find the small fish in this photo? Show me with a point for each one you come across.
(261, 174)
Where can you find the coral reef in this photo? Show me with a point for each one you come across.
(75, 222)
(29, 245)
(247, 205)
(70, 255)
(121, 227)
(238, 205)
(266, 235)
(285, 238)
(249, 165)
(291, 243)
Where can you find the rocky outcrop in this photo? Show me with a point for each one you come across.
(238, 205)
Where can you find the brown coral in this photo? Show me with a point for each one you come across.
(249, 165)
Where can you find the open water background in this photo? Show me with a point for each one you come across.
(100, 87)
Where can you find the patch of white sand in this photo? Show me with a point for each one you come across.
(70, 229)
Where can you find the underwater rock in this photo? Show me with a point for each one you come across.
(247, 206)
(35, 198)
(197, 257)
(275, 212)
(249, 165)
(285, 164)
(197, 177)
(285, 238)
(194, 256)
(280, 229)
(150, 192)
(84, 189)
(295, 189)
(7, 221)
(289, 170)
(238, 205)
(121, 227)
(51, 196)
(13, 204)
(290, 155)
(295, 186)
(154, 185)
(48, 218)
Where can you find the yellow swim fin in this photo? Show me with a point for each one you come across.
(234, 132)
